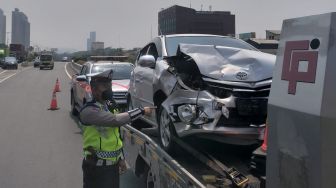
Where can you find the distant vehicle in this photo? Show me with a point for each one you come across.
(65, 59)
(2, 60)
(37, 62)
(208, 86)
(10, 62)
(46, 61)
(18, 51)
(80, 87)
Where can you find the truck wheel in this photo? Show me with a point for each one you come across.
(74, 111)
(166, 131)
(149, 177)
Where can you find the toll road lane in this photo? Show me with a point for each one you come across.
(8, 73)
(39, 148)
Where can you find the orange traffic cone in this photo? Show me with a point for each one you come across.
(57, 86)
(264, 145)
(53, 104)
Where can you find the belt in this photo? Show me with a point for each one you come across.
(96, 157)
(100, 162)
(108, 154)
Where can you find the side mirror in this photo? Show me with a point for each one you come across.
(147, 61)
(81, 78)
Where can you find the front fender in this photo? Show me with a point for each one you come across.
(163, 79)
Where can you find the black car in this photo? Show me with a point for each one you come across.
(10, 62)
(37, 62)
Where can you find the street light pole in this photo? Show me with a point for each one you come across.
(8, 37)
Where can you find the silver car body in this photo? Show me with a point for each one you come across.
(245, 73)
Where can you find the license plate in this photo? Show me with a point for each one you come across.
(248, 107)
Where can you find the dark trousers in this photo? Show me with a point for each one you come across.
(100, 176)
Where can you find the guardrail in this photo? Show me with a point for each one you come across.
(76, 67)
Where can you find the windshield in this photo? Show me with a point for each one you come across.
(46, 58)
(120, 71)
(173, 42)
(10, 59)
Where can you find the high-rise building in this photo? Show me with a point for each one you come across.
(2, 28)
(20, 28)
(91, 40)
(93, 36)
(179, 20)
(97, 46)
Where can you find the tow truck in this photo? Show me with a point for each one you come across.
(301, 115)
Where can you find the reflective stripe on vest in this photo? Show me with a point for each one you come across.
(104, 140)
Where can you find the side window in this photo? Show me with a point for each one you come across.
(153, 51)
(158, 44)
(87, 71)
(143, 52)
(83, 71)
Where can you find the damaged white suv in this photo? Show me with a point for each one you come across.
(209, 86)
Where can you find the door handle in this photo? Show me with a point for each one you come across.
(138, 80)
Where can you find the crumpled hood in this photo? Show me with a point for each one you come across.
(120, 85)
(230, 64)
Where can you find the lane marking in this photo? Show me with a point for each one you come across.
(7, 77)
(14, 73)
(3, 71)
(66, 71)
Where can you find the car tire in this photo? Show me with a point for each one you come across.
(41, 68)
(51, 68)
(74, 111)
(166, 131)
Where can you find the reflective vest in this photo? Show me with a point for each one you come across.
(103, 140)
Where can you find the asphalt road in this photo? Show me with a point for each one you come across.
(38, 147)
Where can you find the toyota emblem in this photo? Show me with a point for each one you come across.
(241, 76)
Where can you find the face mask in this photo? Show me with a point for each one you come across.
(107, 95)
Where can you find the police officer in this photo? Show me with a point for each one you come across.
(101, 141)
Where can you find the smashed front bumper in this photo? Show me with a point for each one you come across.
(201, 114)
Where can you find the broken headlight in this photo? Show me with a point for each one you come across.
(201, 119)
(187, 113)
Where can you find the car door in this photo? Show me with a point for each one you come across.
(147, 82)
(136, 81)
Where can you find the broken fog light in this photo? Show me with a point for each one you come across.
(202, 119)
(187, 112)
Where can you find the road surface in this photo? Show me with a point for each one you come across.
(40, 148)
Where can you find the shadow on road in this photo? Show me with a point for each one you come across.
(76, 120)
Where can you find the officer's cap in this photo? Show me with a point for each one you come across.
(105, 76)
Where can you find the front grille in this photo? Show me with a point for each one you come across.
(119, 95)
(224, 91)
